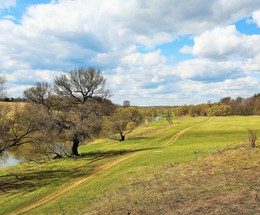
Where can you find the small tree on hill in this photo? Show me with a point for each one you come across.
(123, 122)
(252, 138)
(2, 88)
(169, 117)
(126, 104)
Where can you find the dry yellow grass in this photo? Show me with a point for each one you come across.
(225, 182)
(12, 106)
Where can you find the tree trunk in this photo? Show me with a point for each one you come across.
(57, 156)
(122, 138)
(75, 147)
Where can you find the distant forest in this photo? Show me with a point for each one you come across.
(225, 107)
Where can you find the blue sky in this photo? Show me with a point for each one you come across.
(18, 8)
(156, 52)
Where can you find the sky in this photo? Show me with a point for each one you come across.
(152, 52)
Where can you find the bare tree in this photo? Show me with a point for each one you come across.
(75, 104)
(41, 93)
(86, 89)
(18, 127)
(80, 85)
(2, 88)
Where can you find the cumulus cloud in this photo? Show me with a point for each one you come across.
(252, 66)
(63, 35)
(31, 76)
(223, 54)
(208, 70)
(148, 59)
(7, 4)
(19, 80)
(223, 43)
(199, 92)
(256, 18)
(148, 17)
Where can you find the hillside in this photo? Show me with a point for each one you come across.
(224, 182)
(195, 166)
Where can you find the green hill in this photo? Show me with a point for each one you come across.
(195, 166)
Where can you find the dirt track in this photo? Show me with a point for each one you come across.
(72, 184)
(81, 179)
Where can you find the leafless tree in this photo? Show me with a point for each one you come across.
(2, 88)
(86, 93)
(75, 104)
(18, 126)
(80, 85)
(41, 93)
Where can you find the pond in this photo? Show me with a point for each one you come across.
(9, 160)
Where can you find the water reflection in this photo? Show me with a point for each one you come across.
(8, 160)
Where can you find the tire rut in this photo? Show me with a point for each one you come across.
(175, 137)
(73, 183)
(62, 189)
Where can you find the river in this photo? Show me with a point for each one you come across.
(9, 161)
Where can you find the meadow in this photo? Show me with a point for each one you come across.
(199, 165)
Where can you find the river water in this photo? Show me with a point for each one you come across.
(9, 161)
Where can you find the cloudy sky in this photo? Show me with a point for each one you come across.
(152, 52)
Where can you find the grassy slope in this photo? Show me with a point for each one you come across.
(225, 182)
(153, 173)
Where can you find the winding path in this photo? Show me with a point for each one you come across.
(85, 177)
(72, 184)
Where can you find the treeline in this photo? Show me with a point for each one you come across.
(225, 107)
(11, 99)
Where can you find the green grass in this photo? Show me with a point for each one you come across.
(122, 186)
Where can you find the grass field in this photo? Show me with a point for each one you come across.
(195, 166)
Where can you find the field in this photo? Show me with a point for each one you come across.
(202, 165)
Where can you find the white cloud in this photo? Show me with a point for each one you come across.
(148, 59)
(32, 76)
(9, 17)
(19, 80)
(223, 43)
(62, 35)
(7, 4)
(207, 70)
(256, 18)
(200, 92)
(222, 54)
(252, 66)
(188, 91)
(184, 17)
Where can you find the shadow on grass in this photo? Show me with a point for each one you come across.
(98, 155)
(137, 138)
(128, 138)
(29, 181)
